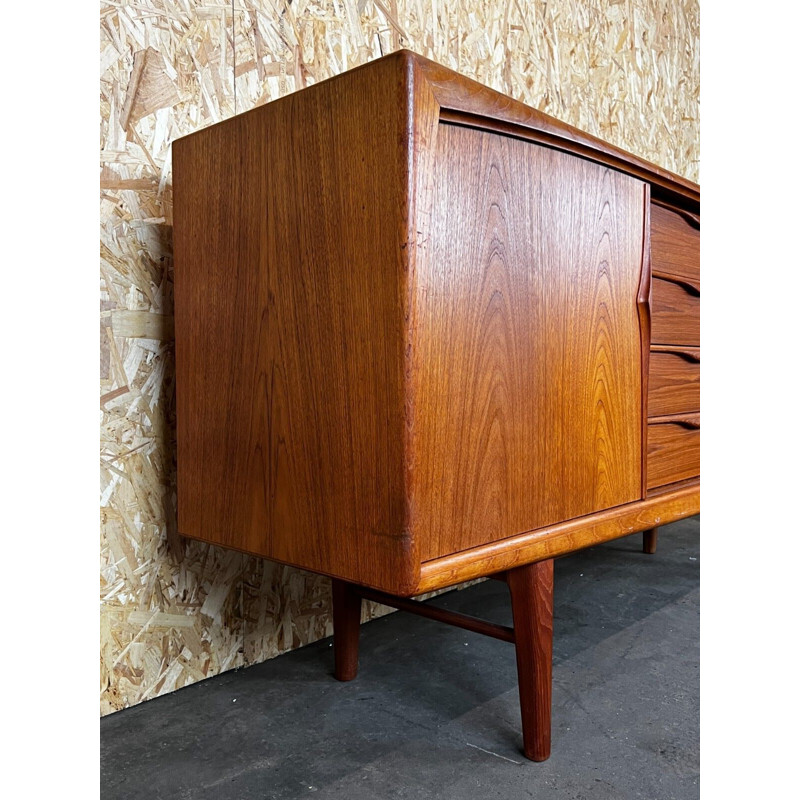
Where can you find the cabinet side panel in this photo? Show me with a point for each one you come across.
(527, 359)
(292, 276)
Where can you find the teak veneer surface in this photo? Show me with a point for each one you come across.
(673, 450)
(532, 608)
(675, 313)
(674, 385)
(662, 505)
(527, 351)
(466, 100)
(675, 245)
(291, 297)
(413, 321)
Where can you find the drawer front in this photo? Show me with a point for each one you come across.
(674, 245)
(673, 452)
(675, 314)
(674, 382)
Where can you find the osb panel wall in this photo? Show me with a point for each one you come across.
(173, 611)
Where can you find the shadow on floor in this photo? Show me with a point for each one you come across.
(434, 711)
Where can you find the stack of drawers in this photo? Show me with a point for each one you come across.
(673, 436)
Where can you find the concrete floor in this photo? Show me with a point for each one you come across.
(434, 712)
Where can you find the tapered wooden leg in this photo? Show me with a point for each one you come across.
(650, 541)
(532, 606)
(346, 626)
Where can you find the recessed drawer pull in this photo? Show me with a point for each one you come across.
(692, 219)
(691, 286)
(687, 420)
(689, 353)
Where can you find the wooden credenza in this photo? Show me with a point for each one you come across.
(425, 333)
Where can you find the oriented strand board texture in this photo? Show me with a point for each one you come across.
(173, 612)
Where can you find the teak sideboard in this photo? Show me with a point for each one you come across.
(424, 334)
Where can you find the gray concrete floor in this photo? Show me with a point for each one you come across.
(434, 712)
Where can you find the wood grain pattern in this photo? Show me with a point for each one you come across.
(666, 505)
(400, 339)
(674, 382)
(690, 353)
(291, 230)
(413, 327)
(673, 450)
(691, 217)
(675, 316)
(690, 420)
(269, 608)
(527, 357)
(675, 245)
(531, 590)
(465, 101)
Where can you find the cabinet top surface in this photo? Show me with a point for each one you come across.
(466, 101)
